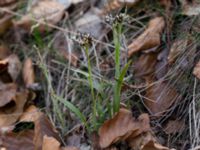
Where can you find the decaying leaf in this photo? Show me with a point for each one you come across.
(28, 72)
(177, 48)
(31, 114)
(4, 52)
(50, 12)
(160, 97)
(11, 65)
(6, 2)
(152, 145)
(50, 143)
(17, 141)
(174, 126)
(7, 92)
(11, 112)
(191, 7)
(150, 38)
(116, 4)
(196, 70)
(145, 66)
(121, 126)
(65, 48)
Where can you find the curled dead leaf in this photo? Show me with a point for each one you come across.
(28, 72)
(7, 92)
(121, 126)
(196, 70)
(160, 97)
(152, 145)
(10, 65)
(4, 52)
(11, 112)
(150, 38)
(44, 12)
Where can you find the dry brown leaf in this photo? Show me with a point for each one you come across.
(177, 48)
(121, 126)
(196, 70)
(4, 52)
(145, 66)
(63, 46)
(50, 12)
(31, 114)
(150, 38)
(137, 142)
(43, 127)
(152, 145)
(7, 92)
(12, 66)
(10, 113)
(50, 143)
(160, 97)
(116, 4)
(28, 72)
(174, 126)
(17, 141)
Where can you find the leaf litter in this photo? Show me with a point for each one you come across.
(165, 63)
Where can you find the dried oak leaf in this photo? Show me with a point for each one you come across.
(43, 13)
(160, 97)
(121, 126)
(196, 70)
(28, 72)
(11, 112)
(10, 66)
(150, 38)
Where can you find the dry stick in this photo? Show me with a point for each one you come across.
(52, 26)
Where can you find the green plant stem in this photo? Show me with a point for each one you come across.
(117, 32)
(90, 79)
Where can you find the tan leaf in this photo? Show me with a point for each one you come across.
(121, 126)
(31, 114)
(150, 38)
(17, 141)
(50, 12)
(196, 70)
(152, 145)
(116, 4)
(43, 127)
(177, 48)
(28, 72)
(7, 92)
(10, 113)
(50, 143)
(174, 126)
(160, 97)
(12, 66)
